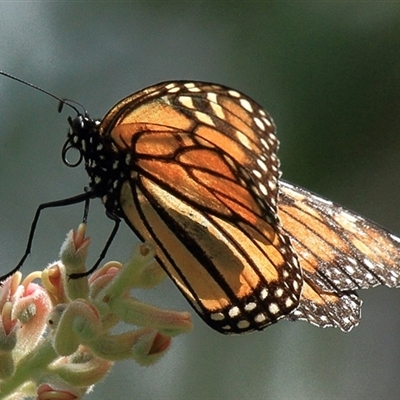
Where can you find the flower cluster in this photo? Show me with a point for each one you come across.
(57, 340)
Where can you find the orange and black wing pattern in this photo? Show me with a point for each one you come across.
(338, 252)
(203, 186)
(200, 179)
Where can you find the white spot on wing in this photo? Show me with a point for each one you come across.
(260, 318)
(349, 269)
(243, 324)
(246, 105)
(234, 93)
(288, 302)
(257, 173)
(212, 97)
(206, 119)
(273, 308)
(263, 189)
(264, 143)
(267, 122)
(234, 312)
(262, 165)
(217, 316)
(272, 185)
(250, 306)
(368, 263)
(259, 123)
(174, 89)
(217, 109)
(244, 140)
(186, 101)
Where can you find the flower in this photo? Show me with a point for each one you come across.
(56, 339)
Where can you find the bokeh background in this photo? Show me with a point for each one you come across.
(328, 72)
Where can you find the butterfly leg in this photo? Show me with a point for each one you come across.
(58, 203)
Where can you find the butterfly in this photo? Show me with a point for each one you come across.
(193, 167)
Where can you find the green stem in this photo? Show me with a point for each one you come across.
(29, 368)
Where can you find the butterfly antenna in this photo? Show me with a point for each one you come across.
(61, 101)
(69, 102)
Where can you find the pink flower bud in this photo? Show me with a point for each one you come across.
(46, 392)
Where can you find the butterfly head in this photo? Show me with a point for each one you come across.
(106, 166)
(82, 137)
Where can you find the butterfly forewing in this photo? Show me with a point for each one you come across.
(203, 186)
(212, 116)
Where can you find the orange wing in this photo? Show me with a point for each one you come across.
(339, 252)
(203, 187)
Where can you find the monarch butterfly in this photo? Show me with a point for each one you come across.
(192, 166)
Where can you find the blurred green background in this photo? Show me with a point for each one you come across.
(329, 73)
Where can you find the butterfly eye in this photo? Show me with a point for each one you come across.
(77, 124)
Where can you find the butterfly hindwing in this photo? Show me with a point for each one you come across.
(339, 252)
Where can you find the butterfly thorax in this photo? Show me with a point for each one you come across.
(106, 166)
